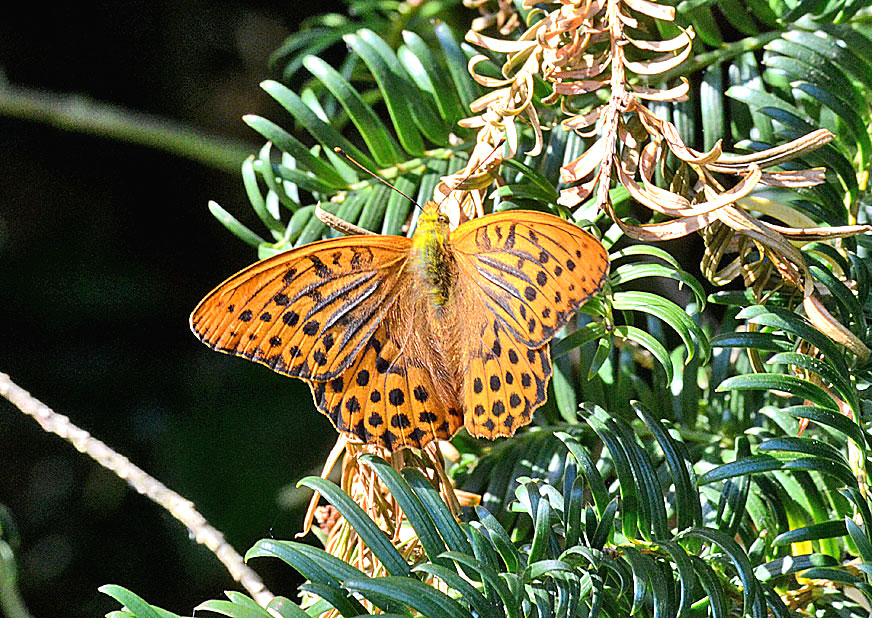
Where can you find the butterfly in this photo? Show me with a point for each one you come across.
(406, 340)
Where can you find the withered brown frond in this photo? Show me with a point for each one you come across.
(605, 47)
(499, 14)
(364, 486)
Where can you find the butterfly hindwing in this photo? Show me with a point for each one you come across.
(307, 312)
(532, 270)
(391, 394)
(504, 382)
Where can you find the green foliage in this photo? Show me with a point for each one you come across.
(667, 475)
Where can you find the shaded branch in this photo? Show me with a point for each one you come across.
(72, 112)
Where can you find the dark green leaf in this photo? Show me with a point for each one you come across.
(289, 552)
(416, 594)
(778, 382)
(830, 418)
(491, 579)
(631, 272)
(380, 143)
(288, 143)
(650, 343)
(286, 608)
(796, 325)
(368, 531)
(667, 311)
(860, 538)
(792, 564)
(767, 342)
(466, 88)
(235, 227)
(234, 610)
(469, 593)
(688, 508)
(822, 530)
(685, 574)
(751, 588)
(806, 446)
(766, 463)
(326, 135)
(412, 507)
(440, 84)
(712, 586)
(336, 597)
(499, 537)
(399, 91)
(442, 517)
(589, 469)
(136, 604)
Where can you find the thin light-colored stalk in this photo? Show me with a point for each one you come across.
(179, 507)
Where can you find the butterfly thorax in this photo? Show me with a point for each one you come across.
(430, 256)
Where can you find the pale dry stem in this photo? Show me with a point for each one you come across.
(179, 507)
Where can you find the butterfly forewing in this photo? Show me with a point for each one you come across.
(533, 270)
(307, 312)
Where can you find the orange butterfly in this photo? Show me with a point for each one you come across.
(404, 340)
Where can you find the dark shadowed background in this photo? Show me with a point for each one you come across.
(105, 247)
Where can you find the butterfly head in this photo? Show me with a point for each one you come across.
(432, 219)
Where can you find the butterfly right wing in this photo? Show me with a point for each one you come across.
(526, 274)
(308, 312)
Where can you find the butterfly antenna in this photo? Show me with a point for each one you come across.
(341, 152)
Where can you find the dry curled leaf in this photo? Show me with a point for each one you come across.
(604, 46)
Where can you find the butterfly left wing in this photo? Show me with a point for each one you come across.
(531, 271)
(396, 392)
(308, 312)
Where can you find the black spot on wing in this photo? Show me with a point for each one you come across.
(396, 397)
(510, 239)
(416, 435)
(321, 269)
